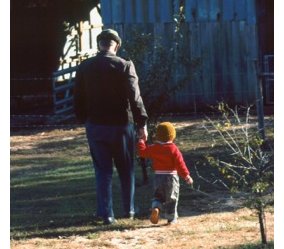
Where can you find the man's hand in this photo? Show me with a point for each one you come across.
(143, 133)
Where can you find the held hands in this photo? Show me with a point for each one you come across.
(189, 180)
(143, 133)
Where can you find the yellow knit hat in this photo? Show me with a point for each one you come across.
(165, 132)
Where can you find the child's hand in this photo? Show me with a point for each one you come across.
(144, 138)
(189, 180)
(141, 139)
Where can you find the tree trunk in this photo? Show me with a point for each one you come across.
(261, 219)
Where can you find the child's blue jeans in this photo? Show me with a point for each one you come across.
(166, 195)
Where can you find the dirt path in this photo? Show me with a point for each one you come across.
(216, 230)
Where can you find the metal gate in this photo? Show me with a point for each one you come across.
(82, 44)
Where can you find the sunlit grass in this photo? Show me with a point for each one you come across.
(53, 187)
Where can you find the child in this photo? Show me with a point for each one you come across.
(168, 163)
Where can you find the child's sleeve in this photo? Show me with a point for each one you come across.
(143, 149)
(180, 165)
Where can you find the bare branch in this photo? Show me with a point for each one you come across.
(211, 183)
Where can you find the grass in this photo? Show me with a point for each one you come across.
(49, 188)
(53, 189)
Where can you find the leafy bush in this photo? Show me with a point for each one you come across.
(163, 71)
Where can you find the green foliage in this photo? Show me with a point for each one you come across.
(163, 64)
(163, 68)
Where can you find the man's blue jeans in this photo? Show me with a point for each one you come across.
(108, 144)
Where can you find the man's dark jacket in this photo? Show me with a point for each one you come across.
(106, 91)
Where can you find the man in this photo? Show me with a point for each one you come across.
(107, 99)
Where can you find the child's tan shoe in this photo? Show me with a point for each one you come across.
(154, 218)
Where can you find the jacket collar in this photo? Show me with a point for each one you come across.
(106, 53)
(160, 142)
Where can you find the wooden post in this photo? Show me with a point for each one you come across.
(259, 101)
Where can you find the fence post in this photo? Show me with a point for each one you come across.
(259, 100)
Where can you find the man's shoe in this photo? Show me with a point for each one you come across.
(110, 221)
(154, 218)
(129, 216)
(172, 222)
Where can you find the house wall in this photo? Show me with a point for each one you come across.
(222, 33)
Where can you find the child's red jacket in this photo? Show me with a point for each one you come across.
(167, 158)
